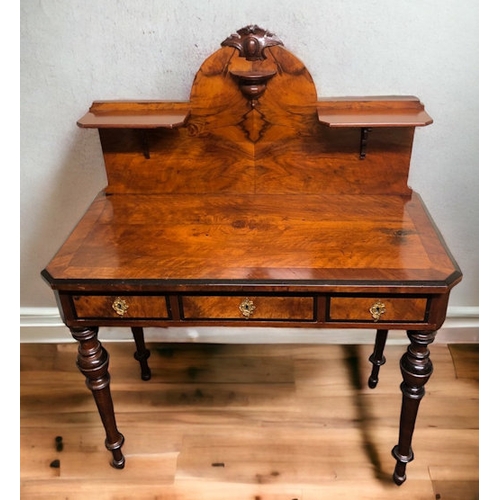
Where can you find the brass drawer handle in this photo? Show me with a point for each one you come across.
(247, 308)
(377, 309)
(120, 306)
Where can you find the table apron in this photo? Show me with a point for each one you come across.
(388, 311)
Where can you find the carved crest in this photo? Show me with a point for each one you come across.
(251, 42)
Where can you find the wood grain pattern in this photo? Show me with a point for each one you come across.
(101, 306)
(219, 142)
(247, 421)
(395, 309)
(317, 237)
(266, 307)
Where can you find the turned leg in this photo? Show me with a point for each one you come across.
(416, 368)
(141, 354)
(377, 359)
(93, 362)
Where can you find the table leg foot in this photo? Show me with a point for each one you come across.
(118, 461)
(93, 361)
(399, 476)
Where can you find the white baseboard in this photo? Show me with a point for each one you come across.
(44, 325)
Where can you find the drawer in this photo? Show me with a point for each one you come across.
(248, 307)
(377, 309)
(124, 306)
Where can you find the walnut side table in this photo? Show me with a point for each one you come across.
(255, 203)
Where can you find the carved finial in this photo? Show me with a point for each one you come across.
(251, 42)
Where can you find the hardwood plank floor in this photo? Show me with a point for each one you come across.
(256, 422)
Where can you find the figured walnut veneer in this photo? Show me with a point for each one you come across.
(255, 203)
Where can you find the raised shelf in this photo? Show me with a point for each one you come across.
(124, 114)
(369, 112)
(362, 112)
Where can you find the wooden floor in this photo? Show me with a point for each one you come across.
(247, 422)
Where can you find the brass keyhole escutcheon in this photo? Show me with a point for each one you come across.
(247, 308)
(120, 306)
(377, 309)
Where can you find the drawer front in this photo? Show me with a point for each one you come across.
(248, 308)
(124, 306)
(375, 309)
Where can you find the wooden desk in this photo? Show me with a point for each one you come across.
(256, 204)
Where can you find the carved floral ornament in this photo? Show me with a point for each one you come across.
(251, 42)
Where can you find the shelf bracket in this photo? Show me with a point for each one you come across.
(363, 142)
(145, 143)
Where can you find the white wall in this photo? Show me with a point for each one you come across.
(74, 52)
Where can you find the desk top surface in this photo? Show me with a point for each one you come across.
(313, 239)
